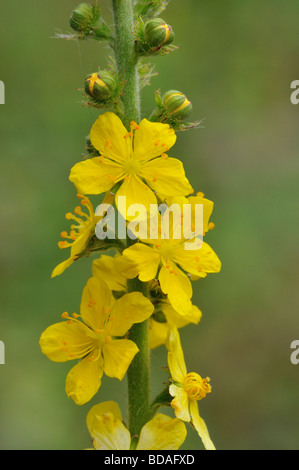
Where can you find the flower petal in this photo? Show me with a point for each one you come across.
(118, 355)
(136, 192)
(158, 333)
(166, 176)
(180, 403)
(61, 267)
(177, 286)
(84, 380)
(198, 262)
(200, 426)
(129, 309)
(110, 433)
(104, 422)
(152, 139)
(96, 302)
(178, 320)
(65, 341)
(99, 410)
(95, 175)
(176, 360)
(107, 136)
(115, 271)
(162, 433)
(147, 260)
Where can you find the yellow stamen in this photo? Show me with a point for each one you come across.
(196, 387)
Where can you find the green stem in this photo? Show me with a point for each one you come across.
(139, 371)
(126, 59)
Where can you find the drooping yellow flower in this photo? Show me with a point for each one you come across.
(79, 235)
(97, 341)
(187, 389)
(104, 422)
(159, 330)
(168, 257)
(136, 159)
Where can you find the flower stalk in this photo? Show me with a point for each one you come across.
(126, 59)
(138, 375)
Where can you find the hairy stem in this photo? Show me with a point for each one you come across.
(127, 61)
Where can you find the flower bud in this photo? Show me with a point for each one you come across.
(100, 85)
(157, 33)
(177, 105)
(83, 17)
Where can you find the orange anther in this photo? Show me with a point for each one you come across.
(63, 244)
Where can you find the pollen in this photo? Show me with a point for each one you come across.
(63, 244)
(134, 126)
(78, 210)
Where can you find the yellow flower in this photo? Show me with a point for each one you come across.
(136, 159)
(97, 340)
(104, 422)
(159, 331)
(187, 389)
(79, 235)
(169, 258)
(115, 271)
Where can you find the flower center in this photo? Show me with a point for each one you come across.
(131, 166)
(196, 387)
(166, 250)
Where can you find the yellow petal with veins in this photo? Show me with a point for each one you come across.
(166, 176)
(129, 309)
(107, 135)
(84, 380)
(152, 139)
(95, 175)
(118, 355)
(162, 433)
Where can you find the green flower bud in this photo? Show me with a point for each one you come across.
(157, 33)
(83, 17)
(101, 30)
(177, 105)
(100, 85)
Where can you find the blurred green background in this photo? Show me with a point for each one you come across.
(236, 62)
